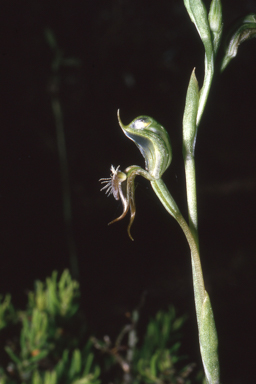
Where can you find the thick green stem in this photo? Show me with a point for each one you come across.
(198, 280)
(189, 139)
(195, 104)
(168, 202)
(207, 331)
(190, 172)
(189, 148)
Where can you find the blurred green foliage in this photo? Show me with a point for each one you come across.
(48, 343)
(155, 359)
(42, 344)
(159, 353)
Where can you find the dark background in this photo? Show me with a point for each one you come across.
(136, 56)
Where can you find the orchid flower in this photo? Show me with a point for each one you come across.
(154, 144)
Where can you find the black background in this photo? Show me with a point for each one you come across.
(136, 56)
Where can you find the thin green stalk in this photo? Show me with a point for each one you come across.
(204, 92)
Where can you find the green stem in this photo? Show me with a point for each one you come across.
(168, 202)
(204, 92)
(198, 280)
(190, 172)
(206, 326)
(189, 158)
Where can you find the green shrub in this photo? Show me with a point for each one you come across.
(47, 343)
(45, 346)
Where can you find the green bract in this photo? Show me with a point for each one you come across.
(153, 142)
